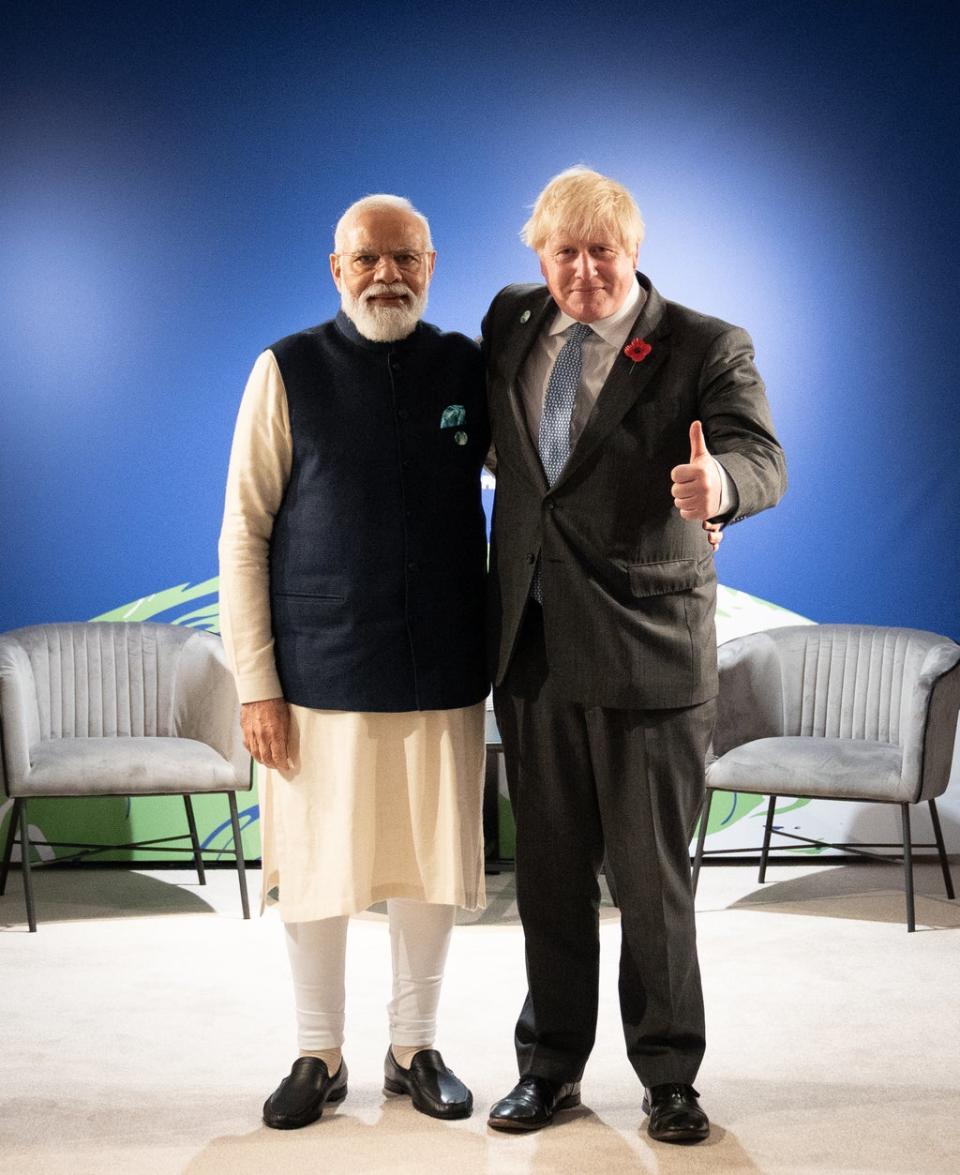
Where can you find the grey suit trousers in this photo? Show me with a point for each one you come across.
(587, 782)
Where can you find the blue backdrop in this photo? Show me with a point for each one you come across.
(172, 172)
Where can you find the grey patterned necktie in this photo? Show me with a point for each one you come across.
(553, 440)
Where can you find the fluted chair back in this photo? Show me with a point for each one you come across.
(97, 680)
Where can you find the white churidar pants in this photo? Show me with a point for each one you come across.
(419, 940)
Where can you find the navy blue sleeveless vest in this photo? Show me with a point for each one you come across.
(378, 552)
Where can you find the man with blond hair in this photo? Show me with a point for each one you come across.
(352, 562)
(623, 425)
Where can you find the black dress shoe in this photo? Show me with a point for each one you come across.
(299, 1099)
(532, 1103)
(675, 1114)
(433, 1088)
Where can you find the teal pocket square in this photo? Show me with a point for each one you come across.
(453, 416)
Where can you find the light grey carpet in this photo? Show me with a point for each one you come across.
(145, 1023)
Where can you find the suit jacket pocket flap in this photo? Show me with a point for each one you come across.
(668, 575)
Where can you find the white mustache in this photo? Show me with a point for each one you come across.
(380, 289)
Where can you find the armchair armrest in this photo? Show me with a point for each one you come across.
(931, 724)
(19, 714)
(750, 702)
(206, 706)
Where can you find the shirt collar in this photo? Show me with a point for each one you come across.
(615, 327)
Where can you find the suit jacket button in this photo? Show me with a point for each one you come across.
(551, 505)
(531, 558)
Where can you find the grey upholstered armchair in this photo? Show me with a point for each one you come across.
(117, 709)
(840, 712)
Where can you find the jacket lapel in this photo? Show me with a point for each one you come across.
(519, 347)
(626, 383)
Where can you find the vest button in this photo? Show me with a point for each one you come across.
(402, 414)
(411, 566)
(531, 558)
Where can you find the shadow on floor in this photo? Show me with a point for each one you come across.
(65, 894)
(866, 893)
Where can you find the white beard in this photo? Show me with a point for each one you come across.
(384, 324)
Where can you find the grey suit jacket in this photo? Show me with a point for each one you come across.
(629, 588)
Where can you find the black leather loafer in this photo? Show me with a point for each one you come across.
(675, 1114)
(532, 1102)
(433, 1088)
(299, 1099)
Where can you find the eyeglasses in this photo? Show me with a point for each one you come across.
(404, 260)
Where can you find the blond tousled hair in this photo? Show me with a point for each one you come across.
(580, 202)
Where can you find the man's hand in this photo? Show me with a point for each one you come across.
(696, 486)
(714, 534)
(265, 727)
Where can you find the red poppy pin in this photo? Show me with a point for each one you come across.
(637, 350)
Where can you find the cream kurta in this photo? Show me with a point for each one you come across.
(377, 805)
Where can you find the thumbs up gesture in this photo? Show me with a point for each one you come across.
(696, 485)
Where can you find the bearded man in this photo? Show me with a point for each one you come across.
(352, 559)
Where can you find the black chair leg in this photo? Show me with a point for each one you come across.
(238, 852)
(195, 840)
(767, 830)
(908, 866)
(701, 835)
(25, 866)
(941, 849)
(8, 847)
